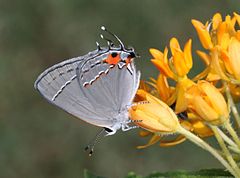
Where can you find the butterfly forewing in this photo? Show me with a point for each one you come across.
(60, 86)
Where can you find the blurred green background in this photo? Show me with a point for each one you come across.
(41, 141)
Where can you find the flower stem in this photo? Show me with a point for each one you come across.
(232, 104)
(226, 138)
(198, 141)
(232, 132)
(225, 150)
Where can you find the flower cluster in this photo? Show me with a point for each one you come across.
(200, 107)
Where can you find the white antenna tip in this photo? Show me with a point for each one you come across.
(103, 28)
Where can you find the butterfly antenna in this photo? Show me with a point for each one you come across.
(92, 144)
(98, 46)
(115, 36)
(109, 42)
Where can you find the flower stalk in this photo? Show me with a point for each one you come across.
(198, 141)
(232, 105)
(194, 109)
(226, 151)
(232, 132)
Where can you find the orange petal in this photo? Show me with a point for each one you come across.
(188, 54)
(165, 55)
(237, 17)
(155, 116)
(230, 24)
(201, 129)
(204, 110)
(212, 76)
(215, 98)
(223, 36)
(238, 35)
(216, 20)
(215, 65)
(234, 55)
(186, 124)
(227, 61)
(204, 56)
(142, 94)
(182, 86)
(144, 86)
(163, 88)
(203, 34)
(155, 138)
(179, 63)
(156, 53)
(174, 142)
(163, 67)
(235, 91)
(174, 45)
(144, 133)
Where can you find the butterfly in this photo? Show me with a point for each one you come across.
(98, 87)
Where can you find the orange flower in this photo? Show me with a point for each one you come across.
(176, 68)
(207, 103)
(182, 60)
(180, 63)
(155, 116)
(223, 41)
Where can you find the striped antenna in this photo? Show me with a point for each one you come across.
(98, 46)
(109, 42)
(115, 36)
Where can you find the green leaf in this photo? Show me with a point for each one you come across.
(87, 174)
(133, 175)
(206, 173)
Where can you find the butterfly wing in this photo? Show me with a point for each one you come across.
(60, 86)
(113, 91)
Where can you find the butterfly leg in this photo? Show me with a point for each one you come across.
(136, 104)
(127, 127)
(139, 103)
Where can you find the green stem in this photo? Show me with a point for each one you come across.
(229, 141)
(198, 141)
(234, 149)
(232, 132)
(225, 150)
(232, 104)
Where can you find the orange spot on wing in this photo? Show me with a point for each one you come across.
(112, 60)
(128, 60)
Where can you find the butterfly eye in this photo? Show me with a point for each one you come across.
(114, 54)
(132, 55)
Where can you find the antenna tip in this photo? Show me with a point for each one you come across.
(90, 153)
(103, 28)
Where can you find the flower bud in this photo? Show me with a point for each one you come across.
(208, 103)
(155, 116)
